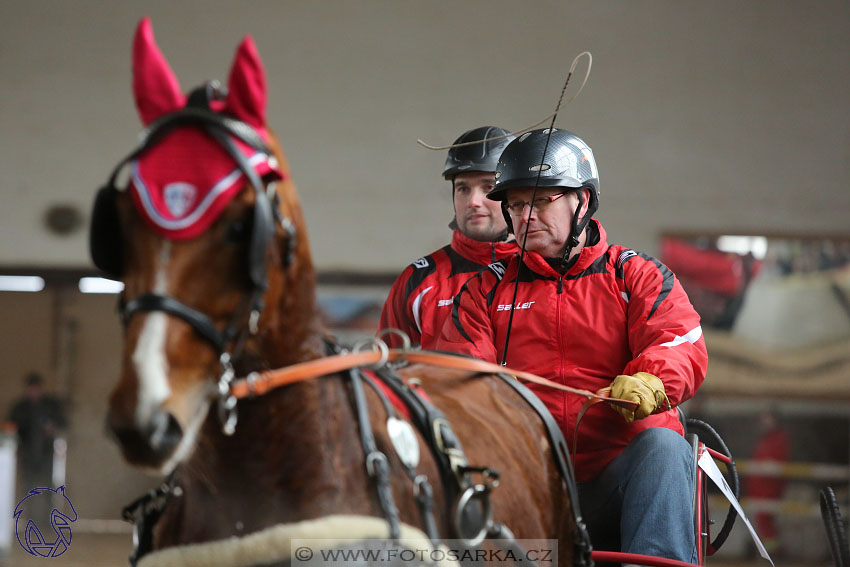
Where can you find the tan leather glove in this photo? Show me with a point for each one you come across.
(645, 389)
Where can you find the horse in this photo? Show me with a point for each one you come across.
(209, 239)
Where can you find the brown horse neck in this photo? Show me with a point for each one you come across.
(293, 330)
(293, 326)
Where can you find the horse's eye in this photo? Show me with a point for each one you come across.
(238, 231)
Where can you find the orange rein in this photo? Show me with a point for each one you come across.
(257, 384)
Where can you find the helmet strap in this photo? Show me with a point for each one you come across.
(577, 226)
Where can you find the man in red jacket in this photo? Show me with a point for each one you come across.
(591, 315)
(421, 297)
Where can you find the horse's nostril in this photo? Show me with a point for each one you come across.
(165, 432)
(151, 444)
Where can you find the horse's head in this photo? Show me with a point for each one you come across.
(206, 236)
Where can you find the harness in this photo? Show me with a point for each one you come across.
(467, 487)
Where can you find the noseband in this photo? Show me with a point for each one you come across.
(106, 243)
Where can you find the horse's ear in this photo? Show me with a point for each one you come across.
(246, 87)
(155, 85)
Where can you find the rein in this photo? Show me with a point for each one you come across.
(259, 383)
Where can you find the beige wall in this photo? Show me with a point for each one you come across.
(712, 115)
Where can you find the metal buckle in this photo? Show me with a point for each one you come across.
(421, 486)
(406, 344)
(376, 345)
(371, 459)
(251, 379)
(477, 492)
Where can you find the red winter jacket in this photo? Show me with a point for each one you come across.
(615, 311)
(421, 297)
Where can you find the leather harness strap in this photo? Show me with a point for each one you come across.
(377, 465)
(259, 383)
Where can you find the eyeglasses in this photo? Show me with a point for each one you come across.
(540, 203)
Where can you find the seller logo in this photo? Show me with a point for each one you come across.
(27, 530)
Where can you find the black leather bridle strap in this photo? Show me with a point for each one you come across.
(190, 117)
(199, 321)
(263, 225)
(377, 464)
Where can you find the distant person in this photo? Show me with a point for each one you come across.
(773, 445)
(421, 297)
(38, 417)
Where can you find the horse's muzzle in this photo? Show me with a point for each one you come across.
(149, 445)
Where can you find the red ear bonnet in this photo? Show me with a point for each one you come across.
(246, 87)
(182, 183)
(155, 86)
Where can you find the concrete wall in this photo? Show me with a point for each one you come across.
(720, 116)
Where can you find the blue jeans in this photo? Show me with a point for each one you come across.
(649, 488)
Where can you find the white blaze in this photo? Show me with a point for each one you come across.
(149, 358)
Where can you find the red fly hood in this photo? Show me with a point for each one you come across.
(183, 182)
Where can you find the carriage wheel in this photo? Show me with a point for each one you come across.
(711, 438)
(835, 532)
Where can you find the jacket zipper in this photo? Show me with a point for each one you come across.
(560, 333)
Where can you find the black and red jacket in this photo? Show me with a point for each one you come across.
(421, 297)
(615, 311)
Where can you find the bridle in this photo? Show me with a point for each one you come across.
(106, 244)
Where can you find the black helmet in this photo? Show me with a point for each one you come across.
(476, 157)
(568, 163)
